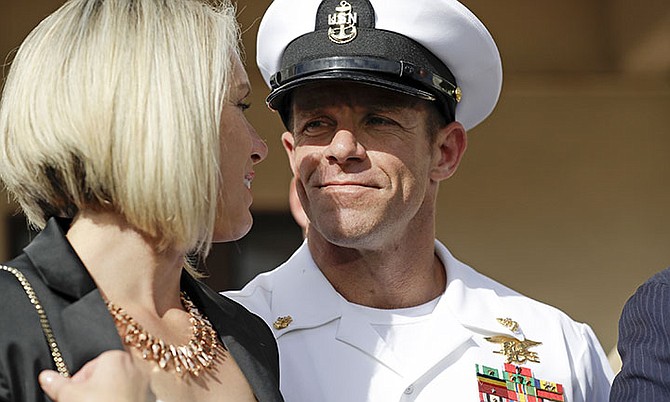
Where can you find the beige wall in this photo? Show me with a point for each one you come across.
(563, 194)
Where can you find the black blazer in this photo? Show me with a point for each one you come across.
(84, 328)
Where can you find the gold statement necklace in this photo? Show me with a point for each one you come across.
(193, 358)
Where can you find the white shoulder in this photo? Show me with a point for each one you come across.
(479, 301)
(257, 295)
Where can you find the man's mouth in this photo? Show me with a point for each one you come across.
(346, 184)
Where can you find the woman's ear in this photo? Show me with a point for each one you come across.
(448, 149)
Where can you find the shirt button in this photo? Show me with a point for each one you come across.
(409, 390)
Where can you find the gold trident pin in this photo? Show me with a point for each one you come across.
(515, 351)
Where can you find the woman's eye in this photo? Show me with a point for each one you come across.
(244, 105)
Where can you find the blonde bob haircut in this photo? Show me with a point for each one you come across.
(115, 105)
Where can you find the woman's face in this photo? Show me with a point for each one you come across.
(241, 149)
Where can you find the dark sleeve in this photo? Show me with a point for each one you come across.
(257, 339)
(255, 330)
(23, 349)
(247, 337)
(644, 346)
(4, 389)
(269, 341)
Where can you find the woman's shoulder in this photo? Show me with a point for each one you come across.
(18, 279)
(24, 293)
(237, 326)
(23, 349)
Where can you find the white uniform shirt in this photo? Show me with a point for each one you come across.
(335, 351)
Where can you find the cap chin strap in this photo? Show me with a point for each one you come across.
(399, 69)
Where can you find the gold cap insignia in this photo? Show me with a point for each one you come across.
(282, 322)
(342, 24)
(457, 94)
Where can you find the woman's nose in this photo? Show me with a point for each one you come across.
(259, 149)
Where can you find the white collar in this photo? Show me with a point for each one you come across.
(302, 291)
(475, 299)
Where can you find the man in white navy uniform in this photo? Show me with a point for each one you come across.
(377, 96)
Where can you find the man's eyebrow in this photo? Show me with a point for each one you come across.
(314, 107)
(387, 108)
(308, 112)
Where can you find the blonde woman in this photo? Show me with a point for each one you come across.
(122, 136)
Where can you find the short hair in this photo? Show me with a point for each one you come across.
(116, 105)
(436, 120)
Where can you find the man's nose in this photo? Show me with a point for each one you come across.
(344, 147)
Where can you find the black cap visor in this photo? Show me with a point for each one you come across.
(378, 73)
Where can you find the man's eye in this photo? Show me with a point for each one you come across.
(379, 121)
(316, 126)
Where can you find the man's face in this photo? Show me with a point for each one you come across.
(362, 159)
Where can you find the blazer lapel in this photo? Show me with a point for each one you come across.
(246, 346)
(88, 330)
(83, 327)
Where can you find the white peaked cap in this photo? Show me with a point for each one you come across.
(446, 28)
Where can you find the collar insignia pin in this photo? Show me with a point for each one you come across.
(282, 322)
(515, 351)
(342, 24)
(510, 324)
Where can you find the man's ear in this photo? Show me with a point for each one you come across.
(288, 142)
(448, 149)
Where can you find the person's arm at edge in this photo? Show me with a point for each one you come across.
(644, 345)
